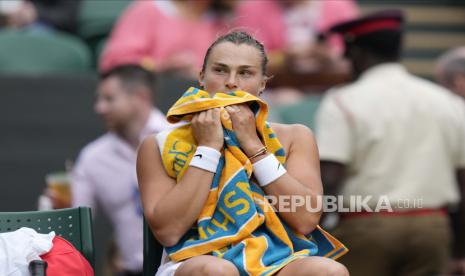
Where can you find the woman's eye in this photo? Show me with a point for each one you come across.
(219, 70)
(246, 73)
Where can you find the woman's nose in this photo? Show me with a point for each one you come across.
(231, 82)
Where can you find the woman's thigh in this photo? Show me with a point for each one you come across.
(207, 265)
(314, 266)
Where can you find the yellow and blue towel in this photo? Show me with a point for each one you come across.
(237, 223)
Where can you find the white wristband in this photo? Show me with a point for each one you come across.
(206, 158)
(268, 170)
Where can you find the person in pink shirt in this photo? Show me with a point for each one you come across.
(290, 29)
(162, 35)
(305, 22)
(265, 20)
(173, 35)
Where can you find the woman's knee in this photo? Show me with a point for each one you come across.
(332, 268)
(337, 269)
(207, 265)
(220, 268)
(319, 266)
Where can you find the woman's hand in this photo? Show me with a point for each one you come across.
(207, 129)
(243, 121)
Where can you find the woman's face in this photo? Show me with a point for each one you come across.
(232, 67)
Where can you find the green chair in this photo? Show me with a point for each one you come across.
(302, 112)
(153, 252)
(26, 52)
(73, 224)
(96, 18)
(99, 47)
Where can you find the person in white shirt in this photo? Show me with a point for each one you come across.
(105, 171)
(393, 135)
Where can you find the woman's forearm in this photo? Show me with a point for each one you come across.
(178, 210)
(292, 201)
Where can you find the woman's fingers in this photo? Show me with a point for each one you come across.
(238, 109)
(207, 130)
(202, 116)
(207, 116)
(232, 111)
(216, 114)
(240, 114)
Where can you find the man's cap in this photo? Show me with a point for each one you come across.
(386, 20)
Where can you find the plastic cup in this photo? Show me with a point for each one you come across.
(59, 184)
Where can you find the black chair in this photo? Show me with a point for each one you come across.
(153, 252)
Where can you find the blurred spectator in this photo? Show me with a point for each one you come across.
(105, 170)
(165, 35)
(44, 14)
(291, 33)
(305, 22)
(265, 21)
(174, 34)
(450, 70)
(395, 139)
(291, 28)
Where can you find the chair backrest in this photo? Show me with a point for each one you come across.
(27, 52)
(153, 252)
(96, 18)
(73, 224)
(302, 112)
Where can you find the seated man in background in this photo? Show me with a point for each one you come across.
(105, 172)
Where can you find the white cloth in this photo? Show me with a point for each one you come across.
(105, 172)
(167, 267)
(399, 136)
(20, 247)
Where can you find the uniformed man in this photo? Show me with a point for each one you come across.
(395, 138)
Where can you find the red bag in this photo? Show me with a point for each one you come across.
(65, 260)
